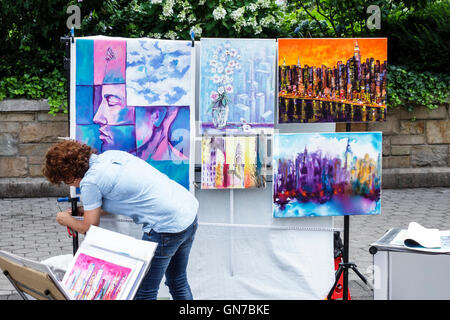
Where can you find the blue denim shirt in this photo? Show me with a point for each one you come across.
(121, 183)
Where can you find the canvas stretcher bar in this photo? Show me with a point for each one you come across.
(141, 119)
(244, 225)
(271, 227)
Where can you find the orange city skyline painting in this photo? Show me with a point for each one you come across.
(332, 80)
(315, 52)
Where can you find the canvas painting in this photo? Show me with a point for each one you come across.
(326, 174)
(94, 278)
(135, 95)
(332, 80)
(158, 72)
(232, 162)
(237, 85)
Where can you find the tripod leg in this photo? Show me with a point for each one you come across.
(364, 279)
(338, 276)
(359, 273)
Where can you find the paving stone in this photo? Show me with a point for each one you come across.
(427, 206)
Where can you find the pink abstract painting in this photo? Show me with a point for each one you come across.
(96, 279)
(109, 61)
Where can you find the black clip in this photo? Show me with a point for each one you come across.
(72, 34)
(192, 38)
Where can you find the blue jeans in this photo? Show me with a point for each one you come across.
(170, 259)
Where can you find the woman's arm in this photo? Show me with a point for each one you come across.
(90, 217)
(80, 211)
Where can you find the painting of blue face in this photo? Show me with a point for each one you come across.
(134, 95)
(163, 133)
(103, 108)
(115, 119)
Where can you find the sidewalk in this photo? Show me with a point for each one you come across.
(28, 228)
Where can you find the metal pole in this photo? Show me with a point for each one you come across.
(75, 233)
(345, 256)
(232, 230)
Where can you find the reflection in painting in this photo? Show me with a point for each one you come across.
(332, 80)
(326, 174)
(134, 95)
(232, 162)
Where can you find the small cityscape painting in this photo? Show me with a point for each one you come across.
(332, 80)
(326, 174)
(232, 162)
(237, 85)
(92, 278)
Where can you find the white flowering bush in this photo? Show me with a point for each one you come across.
(175, 19)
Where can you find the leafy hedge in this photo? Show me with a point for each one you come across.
(410, 88)
(31, 53)
(420, 40)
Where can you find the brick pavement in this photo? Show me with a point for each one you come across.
(28, 228)
(399, 207)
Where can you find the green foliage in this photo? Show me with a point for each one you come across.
(174, 19)
(420, 40)
(409, 89)
(336, 18)
(418, 46)
(30, 51)
(31, 54)
(51, 87)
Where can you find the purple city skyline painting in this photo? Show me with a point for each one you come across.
(326, 174)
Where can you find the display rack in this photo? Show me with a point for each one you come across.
(345, 265)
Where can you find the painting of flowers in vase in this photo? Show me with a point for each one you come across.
(237, 82)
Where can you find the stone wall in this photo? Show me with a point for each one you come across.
(27, 130)
(415, 153)
(416, 147)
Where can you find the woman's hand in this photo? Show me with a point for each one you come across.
(80, 211)
(64, 217)
(90, 217)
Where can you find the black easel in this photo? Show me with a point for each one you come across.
(345, 266)
(66, 63)
(74, 234)
(20, 287)
(68, 40)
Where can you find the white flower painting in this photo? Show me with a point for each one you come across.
(237, 79)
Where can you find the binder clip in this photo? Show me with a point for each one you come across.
(193, 37)
(72, 34)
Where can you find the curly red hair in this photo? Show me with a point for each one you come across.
(67, 161)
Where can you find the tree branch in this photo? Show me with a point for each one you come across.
(328, 18)
(314, 18)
